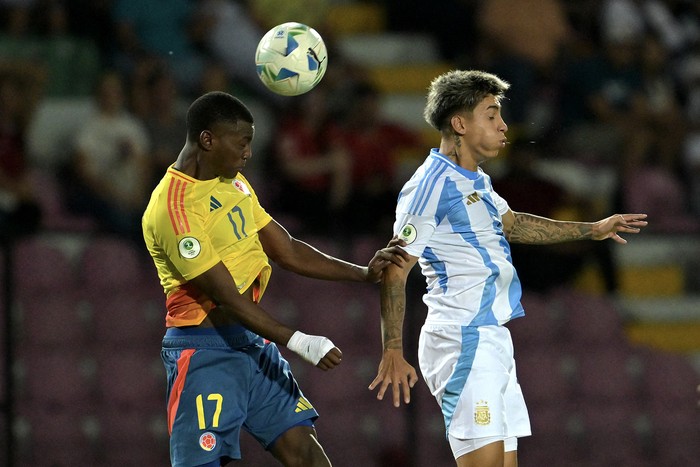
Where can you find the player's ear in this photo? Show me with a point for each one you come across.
(458, 124)
(205, 139)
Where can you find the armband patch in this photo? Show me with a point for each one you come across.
(408, 233)
(189, 247)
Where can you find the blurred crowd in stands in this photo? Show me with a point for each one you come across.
(604, 110)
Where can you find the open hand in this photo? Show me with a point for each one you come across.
(612, 226)
(397, 372)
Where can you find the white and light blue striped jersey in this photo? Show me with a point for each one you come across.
(451, 219)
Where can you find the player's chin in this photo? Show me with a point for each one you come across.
(233, 172)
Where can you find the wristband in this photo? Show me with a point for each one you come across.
(310, 348)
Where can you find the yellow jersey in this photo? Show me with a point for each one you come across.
(190, 225)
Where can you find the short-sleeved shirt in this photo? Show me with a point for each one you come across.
(451, 219)
(190, 225)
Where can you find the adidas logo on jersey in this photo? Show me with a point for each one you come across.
(473, 198)
(214, 204)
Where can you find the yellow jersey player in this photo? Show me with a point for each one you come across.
(210, 240)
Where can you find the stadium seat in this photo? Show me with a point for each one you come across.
(676, 430)
(616, 434)
(589, 320)
(659, 194)
(669, 379)
(127, 320)
(42, 267)
(132, 437)
(59, 378)
(112, 264)
(56, 437)
(52, 321)
(130, 379)
(542, 325)
(55, 215)
(609, 375)
(545, 375)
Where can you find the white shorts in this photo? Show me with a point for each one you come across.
(471, 373)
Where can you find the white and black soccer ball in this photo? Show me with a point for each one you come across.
(291, 59)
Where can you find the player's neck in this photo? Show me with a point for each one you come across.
(188, 163)
(457, 154)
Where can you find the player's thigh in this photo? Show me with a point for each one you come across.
(299, 446)
(490, 455)
(276, 403)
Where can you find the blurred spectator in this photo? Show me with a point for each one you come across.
(622, 21)
(110, 167)
(537, 194)
(527, 37)
(691, 147)
(215, 78)
(37, 32)
(19, 209)
(661, 110)
(16, 17)
(157, 95)
(312, 165)
(376, 149)
(166, 29)
(91, 20)
(269, 13)
(601, 97)
(447, 29)
(232, 37)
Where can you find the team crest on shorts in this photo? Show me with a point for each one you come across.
(207, 441)
(482, 414)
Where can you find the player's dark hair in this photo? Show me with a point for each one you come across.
(459, 90)
(215, 107)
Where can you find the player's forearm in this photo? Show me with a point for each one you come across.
(310, 262)
(536, 230)
(257, 320)
(393, 310)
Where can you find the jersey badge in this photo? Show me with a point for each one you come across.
(482, 414)
(207, 441)
(408, 234)
(189, 247)
(242, 187)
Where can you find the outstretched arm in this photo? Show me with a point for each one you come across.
(394, 370)
(300, 257)
(521, 227)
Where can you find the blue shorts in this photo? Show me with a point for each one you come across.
(222, 380)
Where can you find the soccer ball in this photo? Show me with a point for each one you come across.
(291, 59)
